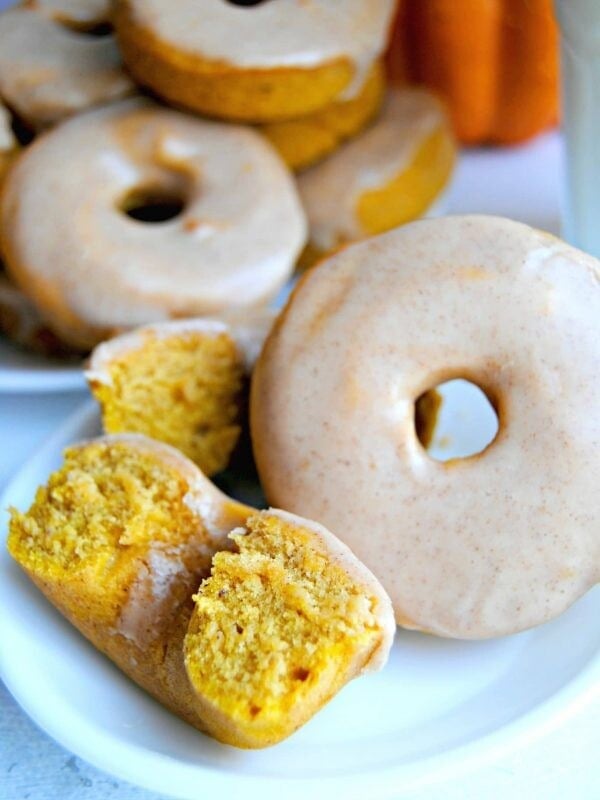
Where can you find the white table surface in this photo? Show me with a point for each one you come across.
(523, 183)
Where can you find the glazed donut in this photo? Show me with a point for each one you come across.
(389, 175)
(120, 538)
(303, 141)
(475, 547)
(271, 62)
(92, 269)
(53, 63)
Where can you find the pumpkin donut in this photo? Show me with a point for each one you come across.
(121, 537)
(303, 141)
(92, 269)
(474, 547)
(271, 62)
(182, 382)
(54, 62)
(391, 174)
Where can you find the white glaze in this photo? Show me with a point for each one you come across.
(331, 190)
(480, 547)
(148, 599)
(279, 33)
(90, 266)
(48, 71)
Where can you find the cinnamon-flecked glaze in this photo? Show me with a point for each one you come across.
(92, 269)
(272, 35)
(472, 548)
(272, 62)
(50, 67)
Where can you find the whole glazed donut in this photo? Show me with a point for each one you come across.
(391, 174)
(54, 62)
(471, 548)
(276, 60)
(92, 269)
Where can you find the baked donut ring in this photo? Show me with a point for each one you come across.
(54, 63)
(122, 535)
(389, 175)
(475, 547)
(91, 268)
(274, 61)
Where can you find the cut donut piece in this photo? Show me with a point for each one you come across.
(281, 625)
(181, 382)
(120, 538)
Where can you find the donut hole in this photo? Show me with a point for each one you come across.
(95, 30)
(152, 205)
(245, 2)
(455, 419)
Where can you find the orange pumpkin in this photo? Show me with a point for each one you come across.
(495, 62)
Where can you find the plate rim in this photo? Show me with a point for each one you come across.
(48, 381)
(130, 762)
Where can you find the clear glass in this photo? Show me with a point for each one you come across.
(580, 54)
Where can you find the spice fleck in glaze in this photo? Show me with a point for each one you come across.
(476, 547)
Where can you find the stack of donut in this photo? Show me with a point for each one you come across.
(160, 183)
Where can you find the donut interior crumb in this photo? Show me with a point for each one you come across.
(278, 628)
(90, 528)
(184, 389)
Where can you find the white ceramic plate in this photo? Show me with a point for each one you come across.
(23, 371)
(440, 707)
